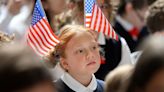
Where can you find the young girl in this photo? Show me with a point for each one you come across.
(79, 56)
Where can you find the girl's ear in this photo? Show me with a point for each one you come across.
(64, 63)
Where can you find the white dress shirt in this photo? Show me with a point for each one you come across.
(57, 71)
(126, 54)
(77, 86)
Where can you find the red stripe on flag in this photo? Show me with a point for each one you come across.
(88, 17)
(92, 17)
(42, 30)
(44, 37)
(51, 42)
(41, 39)
(96, 19)
(109, 28)
(112, 34)
(104, 31)
(100, 23)
(35, 45)
(37, 42)
(40, 36)
(54, 37)
(88, 22)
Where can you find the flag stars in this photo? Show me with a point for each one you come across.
(89, 4)
(36, 16)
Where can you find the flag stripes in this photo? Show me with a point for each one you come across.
(96, 20)
(40, 36)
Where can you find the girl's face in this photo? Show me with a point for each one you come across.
(156, 84)
(82, 55)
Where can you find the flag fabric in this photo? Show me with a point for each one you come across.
(96, 20)
(40, 36)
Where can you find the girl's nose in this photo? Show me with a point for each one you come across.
(90, 54)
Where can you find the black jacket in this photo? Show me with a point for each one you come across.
(112, 54)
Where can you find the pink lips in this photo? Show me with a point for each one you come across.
(91, 63)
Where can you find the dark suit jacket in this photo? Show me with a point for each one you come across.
(124, 33)
(112, 54)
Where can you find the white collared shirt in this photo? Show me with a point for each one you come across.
(125, 53)
(77, 86)
(57, 71)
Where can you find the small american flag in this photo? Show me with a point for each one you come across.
(40, 36)
(96, 20)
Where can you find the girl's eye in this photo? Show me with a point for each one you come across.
(79, 51)
(94, 47)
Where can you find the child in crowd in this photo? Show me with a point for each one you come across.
(113, 53)
(79, 56)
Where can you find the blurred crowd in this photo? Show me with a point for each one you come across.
(84, 60)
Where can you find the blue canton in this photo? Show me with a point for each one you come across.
(38, 13)
(89, 5)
